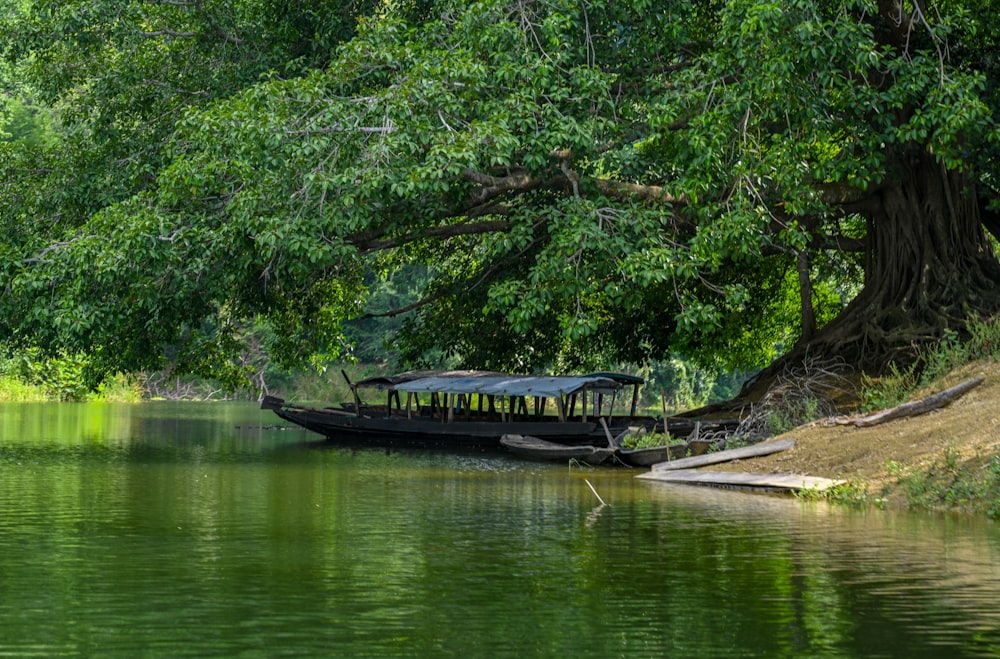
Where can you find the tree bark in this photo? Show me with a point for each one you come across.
(805, 297)
(929, 267)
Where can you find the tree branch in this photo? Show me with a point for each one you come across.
(491, 187)
(644, 192)
(373, 241)
(167, 33)
(463, 287)
(392, 313)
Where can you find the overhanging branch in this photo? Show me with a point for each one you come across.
(490, 187)
(465, 286)
(644, 192)
(375, 241)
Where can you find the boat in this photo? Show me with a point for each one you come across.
(474, 409)
(701, 437)
(648, 456)
(533, 448)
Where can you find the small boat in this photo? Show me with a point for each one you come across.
(474, 409)
(533, 448)
(697, 443)
(645, 457)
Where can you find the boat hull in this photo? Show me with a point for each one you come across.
(534, 448)
(645, 457)
(341, 426)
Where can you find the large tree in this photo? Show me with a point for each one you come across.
(603, 178)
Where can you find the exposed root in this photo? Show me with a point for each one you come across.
(806, 392)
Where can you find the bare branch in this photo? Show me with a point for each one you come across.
(493, 186)
(54, 247)
(167, 33)
(644, 192)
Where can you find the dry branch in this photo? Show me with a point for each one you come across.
(914, 408)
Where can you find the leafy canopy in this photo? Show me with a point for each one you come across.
(600, 180)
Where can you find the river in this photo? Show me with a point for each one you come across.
(191, 529)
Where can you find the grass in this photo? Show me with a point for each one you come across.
(932, 364)
(122, 389)
(15, 391)
(950, 482)
(851, 493)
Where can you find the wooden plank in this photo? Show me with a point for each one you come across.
(754, 451)
(730, 478)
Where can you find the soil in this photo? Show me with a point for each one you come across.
(966, 430)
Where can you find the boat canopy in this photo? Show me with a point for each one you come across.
(393, 381)
(511, 385)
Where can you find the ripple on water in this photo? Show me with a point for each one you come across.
(192, 542)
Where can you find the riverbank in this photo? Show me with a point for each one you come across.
(949, 458)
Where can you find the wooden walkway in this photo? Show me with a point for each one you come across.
(684, 470)
(740, 479)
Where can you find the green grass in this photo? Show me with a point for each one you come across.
(933, 363)
(851, 493)
(120, 389)
(15, 391)
(972, 485)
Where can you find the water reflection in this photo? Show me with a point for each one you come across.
(173, 530)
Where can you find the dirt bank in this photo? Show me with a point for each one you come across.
(966, 430)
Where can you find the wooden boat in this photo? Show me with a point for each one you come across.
(696, 443)
(646, 457)
(474, 409)
(533, 448)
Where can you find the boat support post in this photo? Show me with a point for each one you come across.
(354, 392)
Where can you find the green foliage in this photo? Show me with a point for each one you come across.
(32, 376)
(889, 390)
(119, 76)
(853, 494)
(650, 439)
(61, 376)
(580, 184)
(26, 123)
(13, 390)
(684, 384)
(972, 484)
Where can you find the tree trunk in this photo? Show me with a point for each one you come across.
(929, 267)
(805, 297)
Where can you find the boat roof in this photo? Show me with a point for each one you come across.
(624, 378)
(391, 381)
(551, 387)
(500, 384)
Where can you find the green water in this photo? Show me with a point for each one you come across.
(198, 530)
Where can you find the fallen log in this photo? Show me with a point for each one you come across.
(915, 408)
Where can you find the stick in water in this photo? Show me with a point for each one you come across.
(594, 491)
